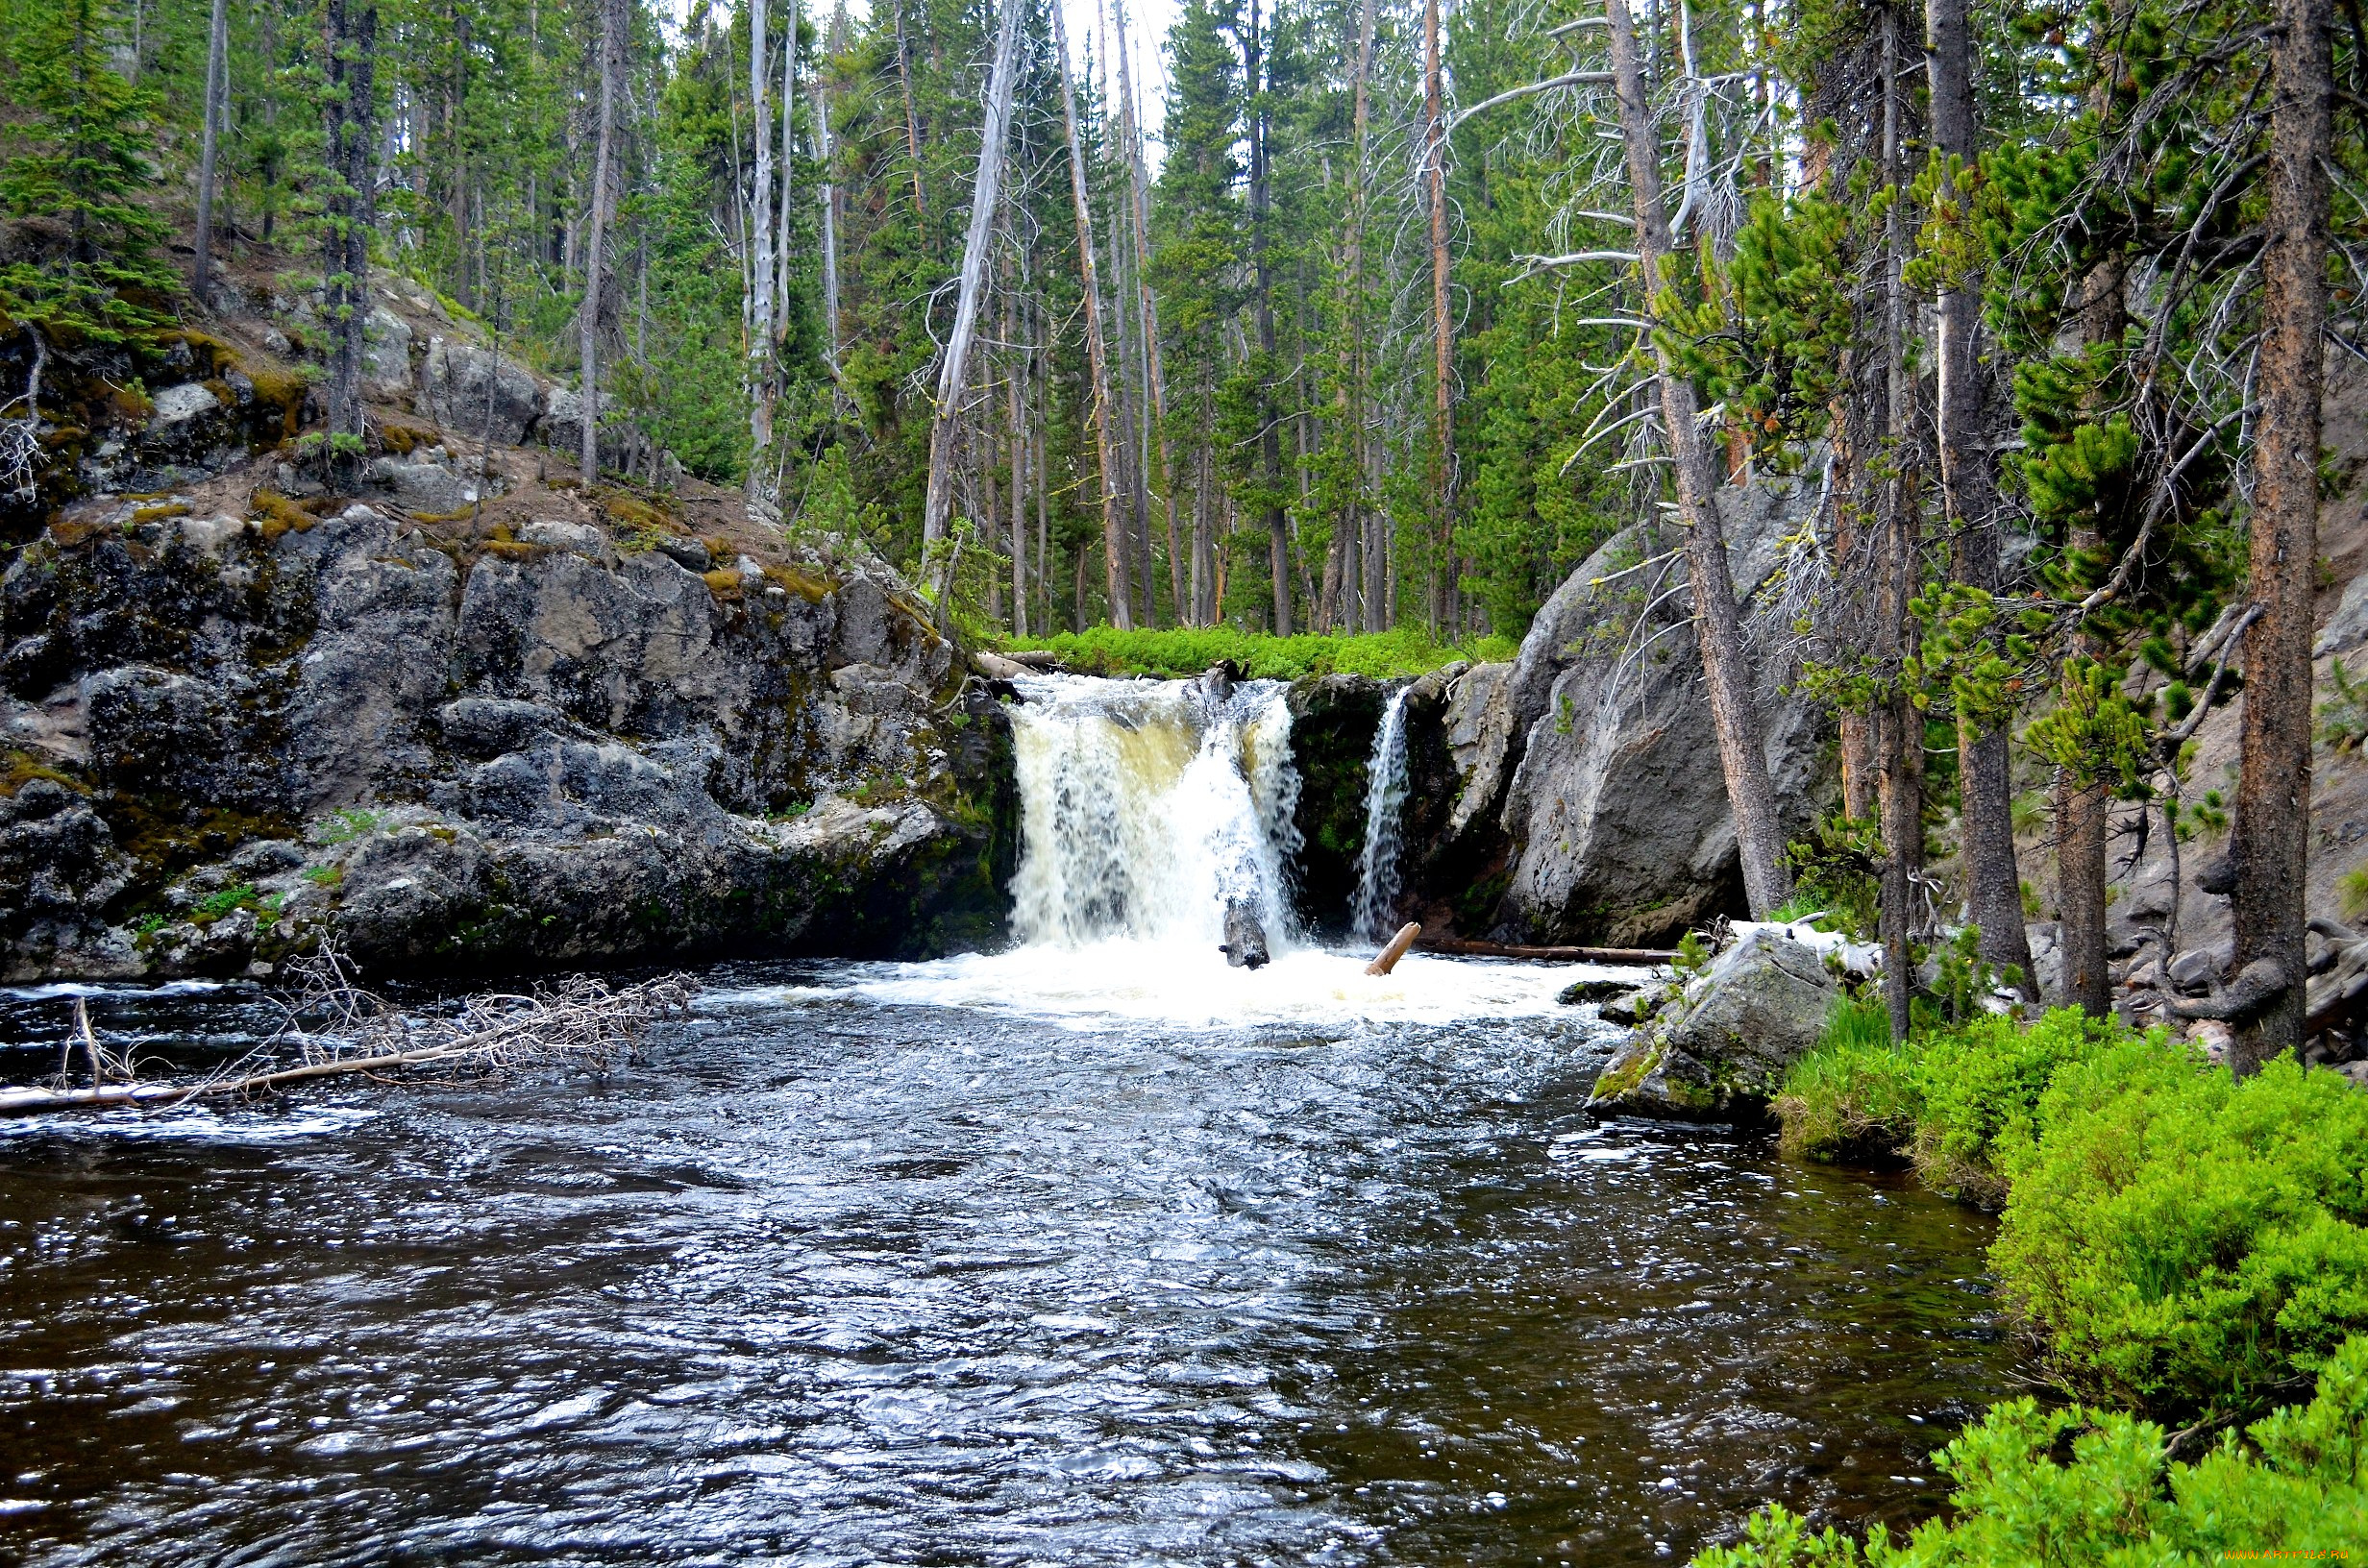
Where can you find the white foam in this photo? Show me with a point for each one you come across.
(1191, 987)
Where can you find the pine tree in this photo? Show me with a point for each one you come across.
(85, 166)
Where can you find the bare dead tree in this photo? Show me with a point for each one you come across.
(953, 368)
(1725, 664)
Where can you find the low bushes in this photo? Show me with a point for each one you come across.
(1949, 1100)
(2187, 1243)
(2180, 1242)
(2296, 1484)
(2182, 1245)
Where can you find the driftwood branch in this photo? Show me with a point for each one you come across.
(352, 1030)
(1387, 959)
(1549, 955)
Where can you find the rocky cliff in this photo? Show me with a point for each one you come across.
(477, 718)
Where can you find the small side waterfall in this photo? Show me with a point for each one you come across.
(1147, 806)
(1372, 912)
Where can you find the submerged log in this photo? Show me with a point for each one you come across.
(1389, 956)
(1245, 941)
(1464, 948)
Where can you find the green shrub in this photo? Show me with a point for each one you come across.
(1855, 1095)
(2186, 1241)
(215, 905)
(2299, 1485)
(347, 825)
(1981, 1083)
(1188, 651)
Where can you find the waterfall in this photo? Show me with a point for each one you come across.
(1147, 805)
(1374, 909)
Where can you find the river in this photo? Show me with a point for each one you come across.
(1096, 1250)
(836, 1276)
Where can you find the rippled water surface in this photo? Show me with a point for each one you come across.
(844, 1273)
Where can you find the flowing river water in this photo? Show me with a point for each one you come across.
(1094, 1251)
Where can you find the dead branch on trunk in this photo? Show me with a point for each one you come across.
(332, 1027)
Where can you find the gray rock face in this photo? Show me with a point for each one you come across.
(456, 379)
(569, 758)
(1722, 1047)
(387, 352)
(1594, 756)
(428, 483)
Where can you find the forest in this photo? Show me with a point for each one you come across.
(1857, 507)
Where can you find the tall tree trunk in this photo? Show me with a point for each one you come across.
(1270, 433)
(1443, 325)
(352, 47)
(218, 96)
(760, 283)
(953, 371)
(1017, 398)
(596, 261)
(912, 121)
(1717, 624)
(1113, 531)
(1969, 498)
(2082, 804)
(789, 98)
(2270, 847)
(1899, 726)
(829, 227)
(1155, 378)
(1364, 565)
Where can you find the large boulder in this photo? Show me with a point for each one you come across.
(1593, 761)
(469, 390)
(1721, 1046)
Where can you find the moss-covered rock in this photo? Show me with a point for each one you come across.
(472, 763)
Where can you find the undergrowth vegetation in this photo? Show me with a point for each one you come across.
(1187, 650)
(2180, 1246)
(2292, 1485)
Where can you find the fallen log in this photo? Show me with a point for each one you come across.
(1463, 947)
(1390, 955)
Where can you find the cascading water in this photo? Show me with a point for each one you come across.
(1146, 807)
(1375, 905)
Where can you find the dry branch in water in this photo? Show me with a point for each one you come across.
(333, 1027)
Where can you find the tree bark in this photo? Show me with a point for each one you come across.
(1899, 726)
(1443, 326)
(218, 95)
(351, 45)
(1017, 399)
(953, 371)
(912, 121)
(1969, 499)
(1362, 563)
(1717, 623)
(2083, 804)
(829, 226)
(1113, 531)
(760, 287)
(594, 264)
(1155, 376)
(2270, 847)
(1270, 430)
(789, 99)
